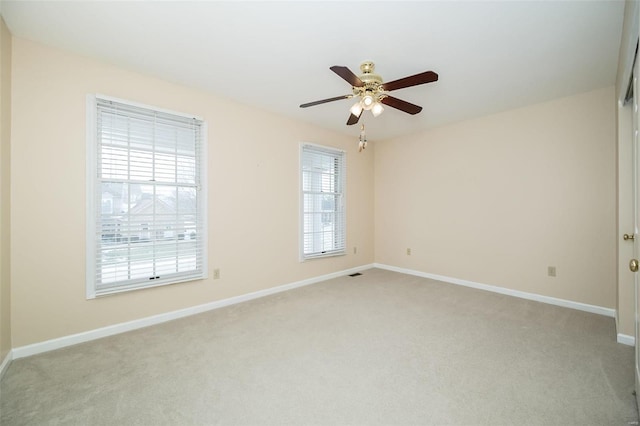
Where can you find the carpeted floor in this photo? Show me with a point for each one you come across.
(382, 348)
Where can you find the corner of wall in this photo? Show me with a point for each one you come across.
(5, 196)
(4, 363)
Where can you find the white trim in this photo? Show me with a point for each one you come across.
(93, 188)
(90, 250)
(625, 339)
(629, 54)
(329, 150)
(146, 106)
(4, 366)
(509, 292)
(326, 148)
(61, 342)
(202, 196)
(53, 344)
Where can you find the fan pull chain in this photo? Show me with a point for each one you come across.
(362, 140)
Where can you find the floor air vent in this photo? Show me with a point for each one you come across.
(355, 275)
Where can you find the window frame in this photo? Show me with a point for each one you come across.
(340, 251)
(93, 195)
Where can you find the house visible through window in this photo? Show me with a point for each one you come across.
(146, 201)
(322, 201)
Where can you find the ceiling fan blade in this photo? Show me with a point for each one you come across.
(353, 119)
(414, 80)
(347, 75)
(405, 106)
(324, 101)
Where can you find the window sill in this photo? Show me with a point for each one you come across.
(323, 255)
(99, 293)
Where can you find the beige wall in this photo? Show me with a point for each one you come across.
(5, 203)
(496, 200)
(253, 196)
(493, 200)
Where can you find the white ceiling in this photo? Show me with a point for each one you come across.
(490, 55)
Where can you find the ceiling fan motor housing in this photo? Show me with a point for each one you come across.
(372, 82)
(368, 76)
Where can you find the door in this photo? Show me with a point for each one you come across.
(636, 223)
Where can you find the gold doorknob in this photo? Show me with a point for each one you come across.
(633, 265)
(628, 237)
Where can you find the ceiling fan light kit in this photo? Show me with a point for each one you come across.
(356, 109)
(377, 109)
(367, 102)
(371, 91)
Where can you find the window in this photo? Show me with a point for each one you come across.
(146, 200)
(322, 201)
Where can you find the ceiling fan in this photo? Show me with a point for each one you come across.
(372, 92)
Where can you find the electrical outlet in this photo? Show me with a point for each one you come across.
(408, 252)
(551, 271)
(355, 250)
(216, 274)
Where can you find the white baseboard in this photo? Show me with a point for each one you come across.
(4, 366)
(74, 339)
(625, 339)
(49, 345)
(509, 292)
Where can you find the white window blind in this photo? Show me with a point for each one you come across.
(147, 206)
(322, 201)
